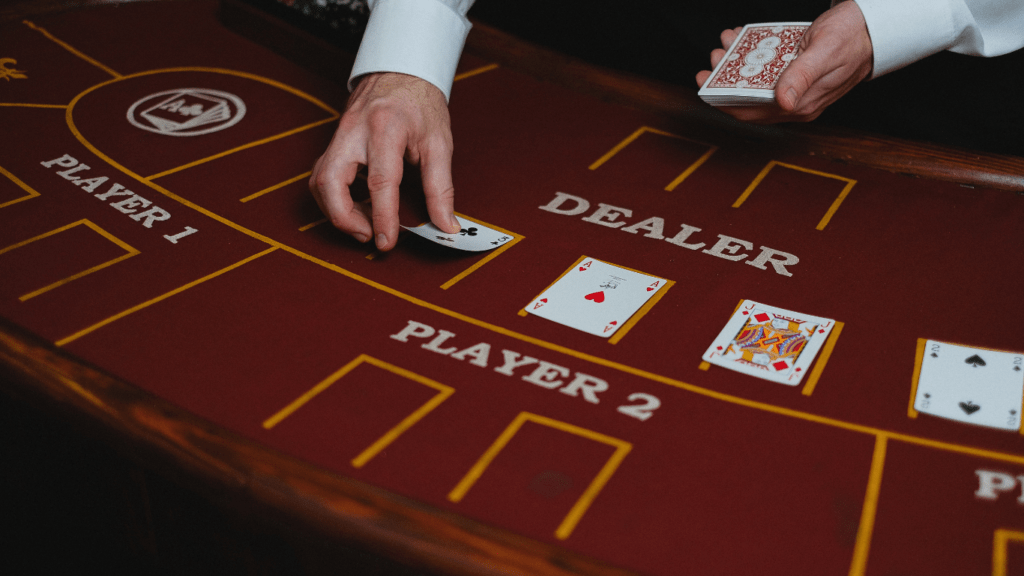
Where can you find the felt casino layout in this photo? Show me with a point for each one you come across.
(155, 221)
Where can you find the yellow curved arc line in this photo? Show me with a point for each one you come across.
(806, 416)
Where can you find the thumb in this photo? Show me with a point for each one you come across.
(809, 65)
(796, 80)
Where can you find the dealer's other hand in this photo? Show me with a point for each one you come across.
(834, 55)
(389, 117)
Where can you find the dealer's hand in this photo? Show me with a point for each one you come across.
(835, 54)
(389, 117)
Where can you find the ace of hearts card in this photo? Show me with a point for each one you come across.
(769, 342)
(973, 385)
(596, 297)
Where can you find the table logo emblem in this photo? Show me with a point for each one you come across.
(8, 73)
(186, 111)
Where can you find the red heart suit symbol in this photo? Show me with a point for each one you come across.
(596, 297)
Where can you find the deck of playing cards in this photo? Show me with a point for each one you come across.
(747, 74)
(769, 342)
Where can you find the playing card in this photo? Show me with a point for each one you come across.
(769, 342)
(748, 72)
(596, 297)
(973, 385)
(474, 237)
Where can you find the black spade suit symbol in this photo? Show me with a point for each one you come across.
(975, 361)
(969, 407)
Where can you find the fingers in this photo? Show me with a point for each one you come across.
(384, 173)
(329, 182)
(796, 80)
(727, 37)
(730, 36)
(436, 170)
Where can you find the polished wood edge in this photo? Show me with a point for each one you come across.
(682, 105)
(242, 473)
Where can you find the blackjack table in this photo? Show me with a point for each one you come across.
(167, 278)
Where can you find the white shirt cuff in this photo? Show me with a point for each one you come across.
(423, 38)
(905, 31)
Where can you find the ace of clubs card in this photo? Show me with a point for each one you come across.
(769, 342)
(972, 385)
(596, 297)
(473, 237)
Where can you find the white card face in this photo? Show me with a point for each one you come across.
(473, 237)
(769, 342)
(973, 385)
(596, 297)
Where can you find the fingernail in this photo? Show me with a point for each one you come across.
(382, 240)
(453, 223)
(360, 237)
(791, 94)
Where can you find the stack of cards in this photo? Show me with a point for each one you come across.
(474, 237)
(769, 342)
(747, 74)
(596, 297)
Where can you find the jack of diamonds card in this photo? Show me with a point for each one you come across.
(973, 385)
(769, 342)
(596, 297)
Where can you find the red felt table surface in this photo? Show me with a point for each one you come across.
(279, 328)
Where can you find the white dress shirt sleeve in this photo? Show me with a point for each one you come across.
(905, 31)
(423, 38)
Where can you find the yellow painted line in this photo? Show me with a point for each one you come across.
(826, 353)
(1000, 540)
(20, 105)
(867, 515)
(918, 360)
(276, 187)
(693, 167)
(246, 146)
(474, 72)
(639, 132)
(806, 416)
(621, 332)
(629, 140)
(30, 192)
(391, 435)
(443, 392)
(311, 393)
(313, 224)
(835, 203)
(162, 297)
(71, 49)
(568, 524)
(491, 256)
(704, 366)
(753, 184)
(84, 222)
